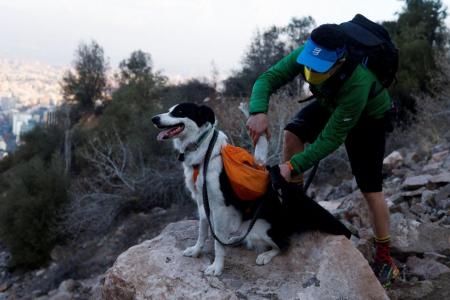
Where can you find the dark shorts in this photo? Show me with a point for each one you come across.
(365, 143)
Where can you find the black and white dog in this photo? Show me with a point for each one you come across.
(191, 127)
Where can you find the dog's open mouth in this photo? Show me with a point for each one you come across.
(169, 131)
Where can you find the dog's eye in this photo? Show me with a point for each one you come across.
(177, 112)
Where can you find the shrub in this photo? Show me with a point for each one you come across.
(29, 207)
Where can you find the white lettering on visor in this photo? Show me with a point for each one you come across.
(316, 51)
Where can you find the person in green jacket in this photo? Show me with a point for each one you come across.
(351, 108)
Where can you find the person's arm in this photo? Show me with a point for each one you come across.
(351, 103)
(267, 83)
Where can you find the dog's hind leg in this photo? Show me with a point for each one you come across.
(265, 257)
(195, 250)
(259, 237)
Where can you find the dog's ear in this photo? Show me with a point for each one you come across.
(207, 115)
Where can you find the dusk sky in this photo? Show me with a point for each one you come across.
(183, 36)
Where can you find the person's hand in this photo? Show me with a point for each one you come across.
(257, 125)
(285, 171)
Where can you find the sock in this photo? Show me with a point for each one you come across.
(382, 250)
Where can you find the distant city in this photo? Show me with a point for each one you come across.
(29, 95)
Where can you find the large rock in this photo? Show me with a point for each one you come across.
(441, 179)
(316, 266)
(415, 182)
(440, 156)
(411, 236)
(426, 268)
(393, 160)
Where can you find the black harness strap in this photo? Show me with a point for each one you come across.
(311, 177)
(206, 202)
(307, 99)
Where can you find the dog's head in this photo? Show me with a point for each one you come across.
(183, 121)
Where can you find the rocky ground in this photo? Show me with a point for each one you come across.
(417, 187)
(77, 271)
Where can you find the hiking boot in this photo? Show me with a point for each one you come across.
(385, 272)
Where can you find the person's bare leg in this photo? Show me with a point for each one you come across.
(292, 145)
(379, 213)
(384, 267)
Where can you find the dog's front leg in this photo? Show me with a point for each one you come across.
(195, 250)
(222, 229)
(216, 267)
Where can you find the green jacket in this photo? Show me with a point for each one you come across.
(351, 101)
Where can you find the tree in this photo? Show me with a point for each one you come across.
(297, 31)
(29, 209)
(88, 82)
(137, 70)
(264, 51)
(421, 36)
(136, 98)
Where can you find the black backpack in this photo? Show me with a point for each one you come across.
(369, 43)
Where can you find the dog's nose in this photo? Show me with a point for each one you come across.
(156, 120)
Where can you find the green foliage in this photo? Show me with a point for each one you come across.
(40, 142)
(136, 73)
(136, 100)
(422, 37)
(265, 50)
(29, 208)
(89, 82)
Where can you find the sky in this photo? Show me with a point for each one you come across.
(184, 37)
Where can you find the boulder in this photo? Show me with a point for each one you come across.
(4, 286)
(316, 266)
(416, 182)
(443, 193)
(67, 286)
(441, 179)
(432, 167)
(426, 268)
(411, 236)
(322, 193)
(354, 209)
(331, 206)
(439, 148)
(393, 160)
(428, 197)
(439, 156)
(413, 158)
(412, 290)
(415, 193)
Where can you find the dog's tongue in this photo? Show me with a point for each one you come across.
(163, 135)
(168, 133)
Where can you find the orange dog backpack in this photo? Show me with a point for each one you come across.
(248, 179)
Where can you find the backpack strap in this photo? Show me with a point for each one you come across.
(333, 84)
(206, 202)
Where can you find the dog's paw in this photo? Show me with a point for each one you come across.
(266, 257)
(213, 270)
(192, 251)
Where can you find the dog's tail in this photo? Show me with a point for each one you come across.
(262, 146)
